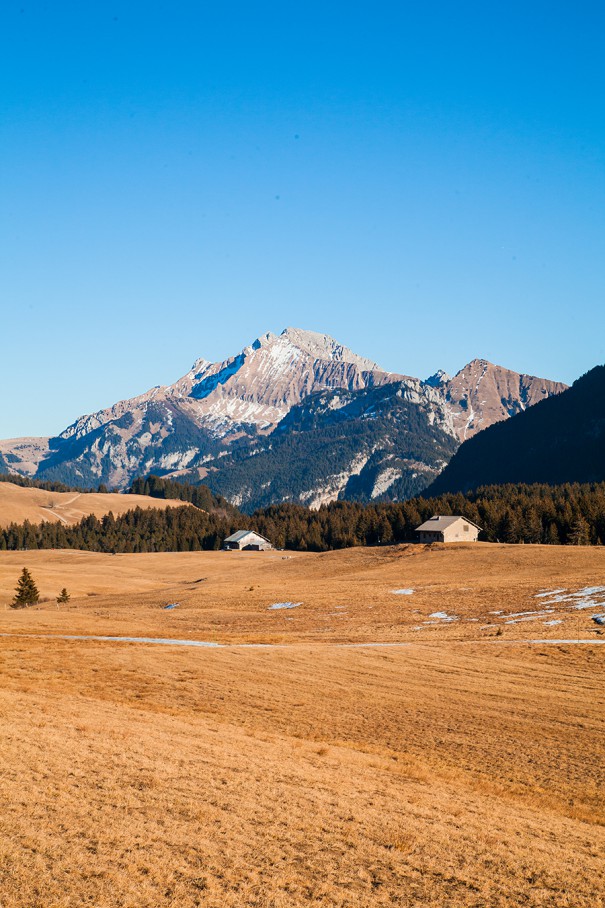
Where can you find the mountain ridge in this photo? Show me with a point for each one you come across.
(189, 427)
(559, 440)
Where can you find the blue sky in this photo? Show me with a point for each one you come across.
(425, 182)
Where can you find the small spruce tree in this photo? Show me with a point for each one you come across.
(63, 597)
(26, 592)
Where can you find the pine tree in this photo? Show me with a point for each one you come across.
(552, 537)
(580, 532)
(63, 597)
(26, 592)
(511, 530)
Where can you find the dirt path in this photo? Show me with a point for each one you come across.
(55, 510)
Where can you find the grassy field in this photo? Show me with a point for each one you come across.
(459, 592)
(18, 504)
(464, 769)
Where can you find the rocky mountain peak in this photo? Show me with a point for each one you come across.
(259, 385)
(482, 393)
(323, 347)
(437, 379)
(200, 366)
(263, 341)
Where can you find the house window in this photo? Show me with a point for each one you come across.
(466, 527)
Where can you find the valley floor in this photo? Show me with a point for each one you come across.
(452, 771)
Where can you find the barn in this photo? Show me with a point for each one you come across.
(448, 529)
(247, 541)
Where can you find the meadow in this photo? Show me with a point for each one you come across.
(18, 503)
(463, 767)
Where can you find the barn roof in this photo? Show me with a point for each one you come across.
(438, 524)
(241, 534)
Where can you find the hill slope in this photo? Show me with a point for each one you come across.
(18, 504)
(560, 440)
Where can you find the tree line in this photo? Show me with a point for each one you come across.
(571, 514)
(46, 485)
(200, 496)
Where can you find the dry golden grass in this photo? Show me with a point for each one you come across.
(445, 773)
(18, 504)
(346, 596)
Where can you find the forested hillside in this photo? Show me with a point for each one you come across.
(356, 445)
(200, 496)
(569, 514)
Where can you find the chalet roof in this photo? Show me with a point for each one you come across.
(241, 534)
(437, 523)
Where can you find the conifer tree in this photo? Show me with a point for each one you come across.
(580, 532)
(26, 592)
(552, 537)
(63, 597)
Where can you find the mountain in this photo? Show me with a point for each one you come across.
(225, 422)
(171, 428)
(560, 440)
(363, 445)
(256, 387)
(482, 394)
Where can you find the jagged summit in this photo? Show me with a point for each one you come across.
(322, 346)
(310, 343)
(482, 393)
(479, 362)
(267, 377)
(437, 379)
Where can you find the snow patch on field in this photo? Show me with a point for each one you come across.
(530, 617)
(280, 605)
(587, 597)
(545, 593)
(443, 616)
(403, 592)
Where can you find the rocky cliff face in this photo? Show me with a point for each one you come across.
(560, 440)
(220, 414)
(482, 394)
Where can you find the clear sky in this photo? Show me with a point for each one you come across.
(423, 181)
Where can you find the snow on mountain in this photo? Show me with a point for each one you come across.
(261, 383)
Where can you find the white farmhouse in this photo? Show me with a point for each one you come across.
(448, 529)
(247, 540)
